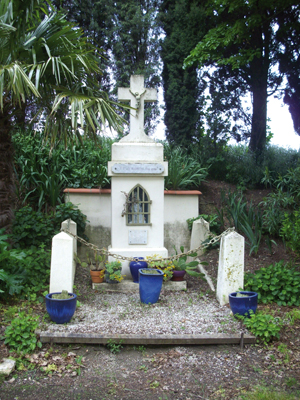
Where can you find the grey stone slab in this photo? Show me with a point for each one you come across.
(129, 286)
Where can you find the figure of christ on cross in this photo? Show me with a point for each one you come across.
(137, 94)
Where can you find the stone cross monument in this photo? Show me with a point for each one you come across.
(137, 94)
(137, 171)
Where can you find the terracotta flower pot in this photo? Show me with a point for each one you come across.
(97, 276)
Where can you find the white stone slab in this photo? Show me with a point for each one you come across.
(62, 263)
(231, 266)
(200, 232)
(137, 236)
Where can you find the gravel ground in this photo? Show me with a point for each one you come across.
(175, 313)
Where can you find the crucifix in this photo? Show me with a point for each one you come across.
(137, 94)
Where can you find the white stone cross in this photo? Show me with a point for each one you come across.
(137, 94)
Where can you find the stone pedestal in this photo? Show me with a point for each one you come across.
(137, 171)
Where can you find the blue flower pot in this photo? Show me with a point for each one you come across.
(61, 310)
(150, 285)
(242, 305)
(135, 266)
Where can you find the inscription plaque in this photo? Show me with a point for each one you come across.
(138, 168)
(137, 236)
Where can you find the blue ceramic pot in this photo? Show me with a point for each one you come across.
(150, 285)
(135, 266)
(61, 310)
(242, 305)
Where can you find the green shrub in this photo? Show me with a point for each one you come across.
(43, 172)
(214, 223)
(23, 271)
(184, 172)
(36, 265)
(247, 219)
(69, 210)
(276, 283)
(290, 231)
(20, 334)
(33, 228)
(11, 278)
(285, 199)
(263, 326)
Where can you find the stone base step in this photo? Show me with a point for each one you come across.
(129, 286)
(97, 338)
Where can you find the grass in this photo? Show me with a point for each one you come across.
(264, 393)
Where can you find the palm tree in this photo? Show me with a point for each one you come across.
(46, 62)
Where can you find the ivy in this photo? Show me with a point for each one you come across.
(277, 283)
(20, 334)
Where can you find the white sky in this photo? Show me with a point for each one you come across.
(282, 125)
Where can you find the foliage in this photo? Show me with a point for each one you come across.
(33, 228)
(113, 271)
(42, 173)
(183, 171)
(113, 346)
(244, 50)
(265, 393)
(48, 57)
(36, 265)
(290, 231)
(264, 326)
(20, 334)
(94, 262)
(166, 266)
(48, 72)
(293, 315)
(128, 32)
(283, 200)
(212, 219)
(70, 211)
(64, 295)
(237, 164)
(247, 219)
(276, 283)
(181, 264)
(11, 279)
(183, 23)
(23, 271)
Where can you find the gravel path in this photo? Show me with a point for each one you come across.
(175, 313)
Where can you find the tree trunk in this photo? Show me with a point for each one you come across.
(259, 118)
(6, 172)
(259, 68)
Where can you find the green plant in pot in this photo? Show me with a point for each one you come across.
(113, 272)
(181, 266)
(96, 263)
(157, 262)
